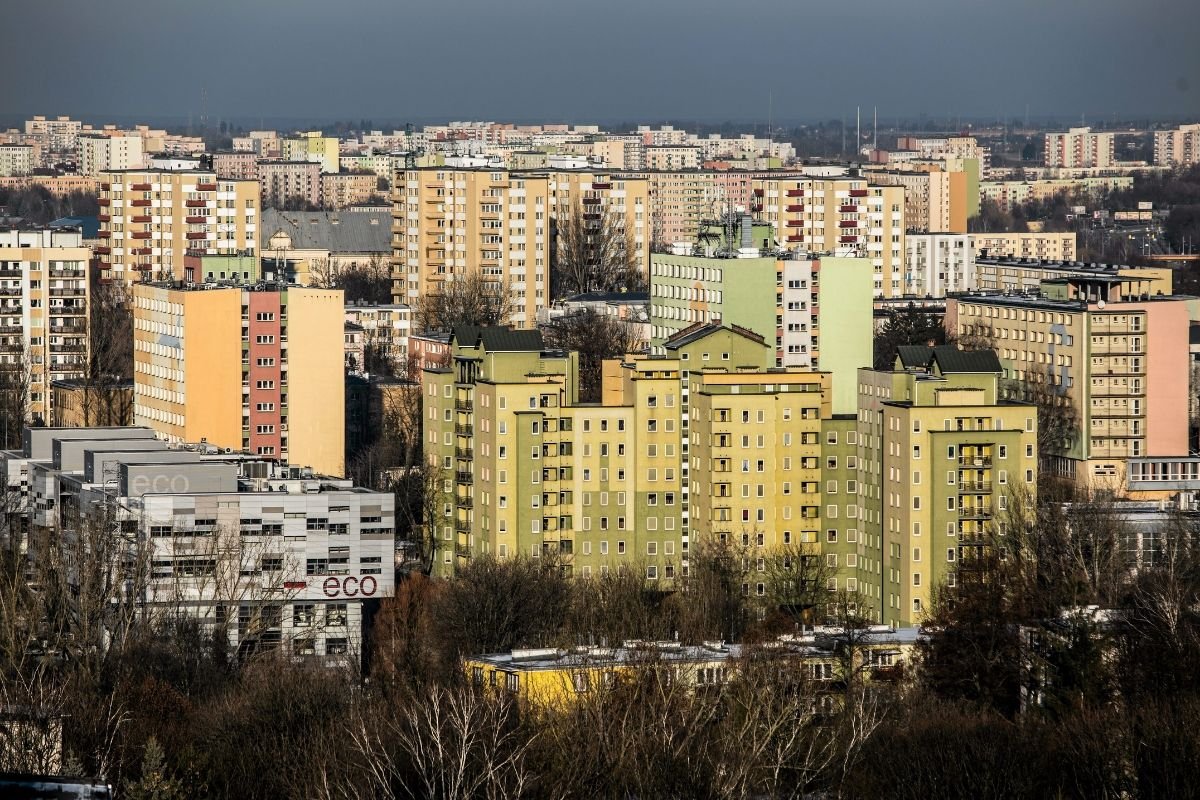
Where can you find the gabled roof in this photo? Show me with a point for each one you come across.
(335, 231)
(499, 339)
(702, 329)
(948, 359)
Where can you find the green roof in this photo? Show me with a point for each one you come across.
(948, 359)
(498, 339)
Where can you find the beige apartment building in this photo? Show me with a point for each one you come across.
(44, 301)
(1079, 147)
(281, 181)
(449, 222)
(16, 160)
(59, 135)
(151, 219)
(102, 153)
(1177, 148)
(671, 157)
(1110, 349)
(341, 189)
(935, 200)
(1042, 246)
(843, 216)
(239, 165)
(680, 200)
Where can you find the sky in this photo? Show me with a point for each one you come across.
(599, 61)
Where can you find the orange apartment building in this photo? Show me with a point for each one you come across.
(251, 368)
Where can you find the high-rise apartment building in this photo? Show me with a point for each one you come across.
(44, 304)
(110, 153)
(844, 216)
(1079, 147)
(1109, 350)
(945, 465)
(938, 264)
(452, 222)
(251, 368)
(281, 182)
(240, 165)
(16, 160)
(151, 220)
(311, 146)
(1177, 148)
(790, 300)
(935, 200)
(60, 135)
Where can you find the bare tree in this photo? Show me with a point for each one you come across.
(594, 251)
(16, 379)
(109, 359)
(470, 299)
(596, 337)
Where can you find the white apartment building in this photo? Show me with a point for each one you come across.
(938, 264)
(99, 153)
(16, 160)
(44, 302)
(282, 558)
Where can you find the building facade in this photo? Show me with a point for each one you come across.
(1080, 147)
(151, 220)
(103, 153)
(44, 312)
(1178, 148)
(289, 181)
(938, 264)
(16, 160)
(250, 368)
(1041, 246)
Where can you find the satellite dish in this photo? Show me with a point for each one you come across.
(1099, 304)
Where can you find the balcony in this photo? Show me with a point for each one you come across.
(141, 218)
(104, 217)
(464, 430)
(794, 207)
(206, 187)
(758, 192)
(139, 187)
(104, 234)
(847, 239)
(104, 202)
(143, 267)
(195, 203)
(103, 249)
(140, 235)
(462, 476)
(139, 203)
(591, 216)
(193, 235)
(975, 461)
(795, 193)
(464, 453)
(463, 404)
(142, 251)
(464, 501)
(976, 487)
(591, 201)
(195, 220)
(848, 223)
(462, 526)
(795, 223)
(462, 550)
(975, 512)
(796, 237)
(858, 192)
(600, 185)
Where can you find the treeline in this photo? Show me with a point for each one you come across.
(1052, 669)
(37, 205)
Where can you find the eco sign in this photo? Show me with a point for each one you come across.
(349, 586)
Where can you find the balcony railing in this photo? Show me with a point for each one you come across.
(975, 512)
(975, 461)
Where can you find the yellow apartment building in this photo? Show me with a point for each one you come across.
(450, 222)
(1042, 246)
(944, 463)
(312, 146)
(151, 219)
(843, 216)
(253, 369)
(44, 308)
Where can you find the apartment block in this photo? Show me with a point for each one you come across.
(451, 222)
(790, 299)
(682, 201)
(935, 200)
(237, 165)
(44, 307)
(1026, 275)
(385, 328)
(1108, 348)
(251, 368)
(289, 181)
(943, 460)
(16, 160)
(60, 134)
(151, 220)
(1042, 246)
(1080, 147)
(312, 146)
(341, 189)
(1010, 194)
(938, 264)
(1178, 148)
(843, 216)
(100, 153)
(276, 558)
(671, 157)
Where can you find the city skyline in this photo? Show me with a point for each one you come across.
(553, 61)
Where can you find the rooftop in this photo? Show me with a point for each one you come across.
(335, 231)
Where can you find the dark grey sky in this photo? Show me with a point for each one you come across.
(600, 60)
